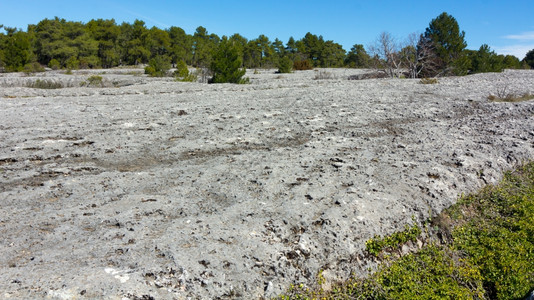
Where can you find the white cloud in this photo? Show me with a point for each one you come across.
(524, 36)
(518, 51)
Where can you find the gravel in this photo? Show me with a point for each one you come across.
(147, 187)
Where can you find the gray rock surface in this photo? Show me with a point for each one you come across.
(155, 188)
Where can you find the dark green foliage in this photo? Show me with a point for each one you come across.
(226, 64)
(391, 242)
(485, 60)
(529, 59)
(33, 68)
(319, 52)
(449, 44)
(182, 73)
(180, 45)
(106, 34)
(63, 40)
(158, 66)
(54, 64)
(495, 228)
(285, 65)
(16, 50)
(302, 65)
(72, 63)
(357, 57)
(203, 47)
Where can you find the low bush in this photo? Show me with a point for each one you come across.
(182, 73)
(158, 66)
(428, 81)
(285, 65)
(44, 84)
(95, 80)
(33, 68)
(503, 95)
(392, 242)
(54, 64)
(302, 65)
(321, 75)
(72, 63)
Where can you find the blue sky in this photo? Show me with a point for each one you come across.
(506, 26)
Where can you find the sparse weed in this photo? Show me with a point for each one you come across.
(429, 81)
(45, 84)
(503, 95)
(322, 75)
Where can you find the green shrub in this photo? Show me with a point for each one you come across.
(54, 64)
(285, 65)
(72, 63)
(158, 66)
(33, 68)
(226, 64)
(391, 242)
(45, 84)
(495, 228)
(95, 80)
(182, 73)
(303, 65)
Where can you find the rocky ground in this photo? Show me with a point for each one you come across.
(144, 187)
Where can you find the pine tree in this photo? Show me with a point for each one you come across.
(226, 64)
(529, 58)
(449, 43)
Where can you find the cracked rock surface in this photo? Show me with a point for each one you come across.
(146, 187)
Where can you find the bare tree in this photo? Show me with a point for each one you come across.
(388, 50)
(428, 64)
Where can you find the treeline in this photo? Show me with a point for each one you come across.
(57, 43)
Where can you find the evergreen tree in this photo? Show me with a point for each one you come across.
(529, 59)
(285, 65)
(158, 66)
(511, 62)
(449, 44)
(357, 57)
(137, 45)
(16, 50)
(226, 64)
(203, 47)
(158, 42)
(180, 45)
(106, 34)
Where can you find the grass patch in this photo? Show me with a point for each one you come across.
(511, 98)
(45, 84)
(503, 95)
(428, 81)
(488, 252)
